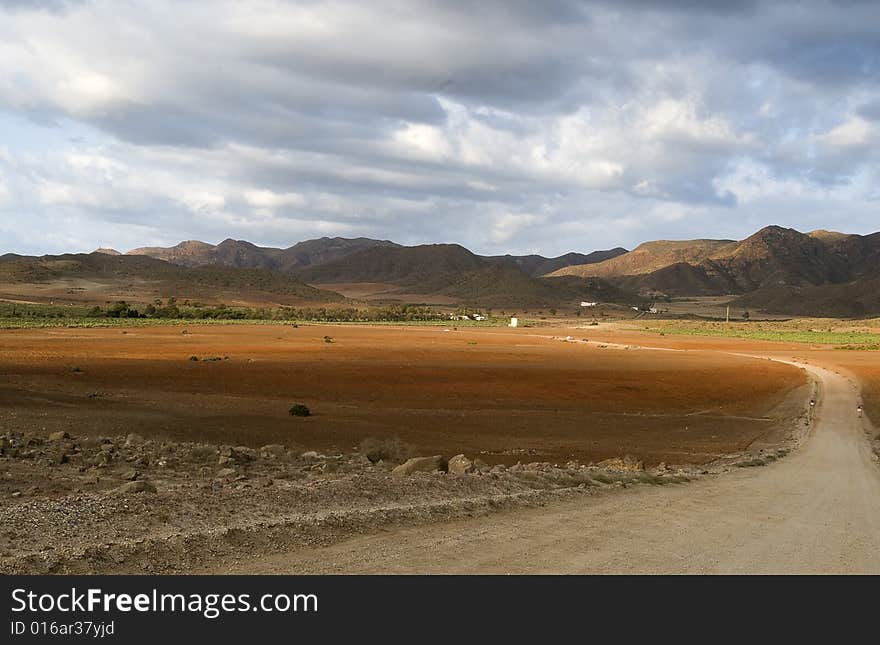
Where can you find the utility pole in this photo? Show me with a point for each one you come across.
(728, 314)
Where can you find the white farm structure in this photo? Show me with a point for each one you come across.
(514, 322)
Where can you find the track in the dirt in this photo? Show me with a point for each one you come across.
(816, 511)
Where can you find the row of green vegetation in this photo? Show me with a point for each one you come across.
(844, 339)
(121, 313)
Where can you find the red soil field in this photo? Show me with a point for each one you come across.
(864, 365)
(503, 395)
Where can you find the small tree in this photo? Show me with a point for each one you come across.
(746, 315)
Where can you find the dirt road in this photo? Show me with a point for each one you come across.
(815, 511)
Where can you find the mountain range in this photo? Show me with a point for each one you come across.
(777, 270)
(94, 277)
(442, 272)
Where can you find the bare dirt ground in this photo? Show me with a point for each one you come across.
(504, 395)
(67, 504)
(816, 511)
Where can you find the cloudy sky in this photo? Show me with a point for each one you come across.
(505, 126)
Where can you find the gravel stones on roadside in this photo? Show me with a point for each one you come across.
(273, 451)
(627, 464)
(420, 465)
(460, 465)
(138, 486)
(133, 440)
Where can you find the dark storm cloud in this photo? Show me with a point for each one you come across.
(870, 111)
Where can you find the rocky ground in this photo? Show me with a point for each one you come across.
(80, 504)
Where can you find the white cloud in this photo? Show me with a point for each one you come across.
(855, 131)
(501, 125)
(269, 200)
(202, 201)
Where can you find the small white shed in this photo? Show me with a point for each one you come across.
(514, 322)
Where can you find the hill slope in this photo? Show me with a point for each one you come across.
(538, 265)
(243, 254)
(773, 260)
(852, 299)
(452, 270)
(506, 286)
(649, 257)
(145, 277)
(404, 265)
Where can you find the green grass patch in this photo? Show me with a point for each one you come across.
(842, 339)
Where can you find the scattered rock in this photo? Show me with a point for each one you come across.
(139, 486)
(481, 466)
(460, 465)
(226, 472)
(272, 451)
(202, 453)
(626, 465)
(311, 454)
(61, 435)
(242, 454)
(420, 465)
(133, 440)
(130, 475)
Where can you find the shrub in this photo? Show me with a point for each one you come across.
(299, 410)
(193, 358)
(391, 450)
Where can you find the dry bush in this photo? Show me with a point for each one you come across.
(389, 450)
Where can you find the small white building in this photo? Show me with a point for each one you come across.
(589, 304)
(514, 322)
(479, 317)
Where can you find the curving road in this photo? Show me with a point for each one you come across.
(815, 511)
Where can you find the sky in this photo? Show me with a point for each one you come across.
(505, 126)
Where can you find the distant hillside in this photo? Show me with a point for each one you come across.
(404, 265)
(452, 270)
(146, 275)
(649, 257)
(311, 253)
(223, 271)
(776, 256)
(777, 270)
(243, 254)
(774, 262)
(852, 299)
(501, 285)
(538, 265)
